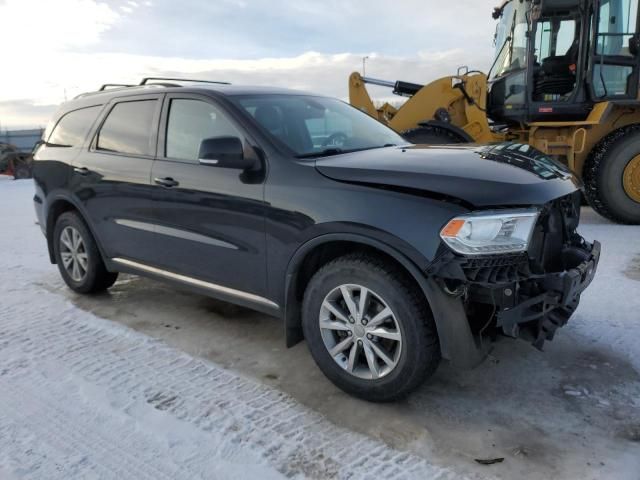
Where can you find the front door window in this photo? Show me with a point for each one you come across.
(191, 121)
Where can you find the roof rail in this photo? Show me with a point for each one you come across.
(109, 85)
(145, 81)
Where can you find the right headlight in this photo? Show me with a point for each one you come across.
(494, 232)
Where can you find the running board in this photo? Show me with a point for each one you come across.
(250, 297)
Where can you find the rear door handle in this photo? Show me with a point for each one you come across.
(81, 170)
(166, 182)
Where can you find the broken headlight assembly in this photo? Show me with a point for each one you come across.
(486, 233)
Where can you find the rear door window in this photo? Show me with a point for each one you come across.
(128, 128)
(72, 128)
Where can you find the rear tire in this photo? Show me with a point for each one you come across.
(603, 176)
(77, 255)
(410, 358)
(432, 135)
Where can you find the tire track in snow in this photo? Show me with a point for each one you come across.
(48, 347)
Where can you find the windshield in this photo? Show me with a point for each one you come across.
(316, 126)
(511, 39)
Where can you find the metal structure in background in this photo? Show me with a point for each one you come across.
(16, 147)
(23, 140)
(565, 80)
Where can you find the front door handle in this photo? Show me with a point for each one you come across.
(81, 170)
(166, 182)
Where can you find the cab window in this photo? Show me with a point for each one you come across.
(556, 38)
(616, 26)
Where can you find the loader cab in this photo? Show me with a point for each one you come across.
(556, 58)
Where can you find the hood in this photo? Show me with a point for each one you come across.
(494, 175)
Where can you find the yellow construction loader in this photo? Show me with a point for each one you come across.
(565, 80)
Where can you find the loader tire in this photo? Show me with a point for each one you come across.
(432, 135)
(611, 176)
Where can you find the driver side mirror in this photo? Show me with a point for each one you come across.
(224, 152)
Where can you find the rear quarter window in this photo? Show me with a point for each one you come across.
(72, 128)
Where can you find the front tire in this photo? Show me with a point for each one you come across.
(611, 176)
(380, 347)
(77, 255)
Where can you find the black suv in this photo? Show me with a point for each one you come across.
(384, 256)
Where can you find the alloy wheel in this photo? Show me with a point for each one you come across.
(360, 331)
(73, 253)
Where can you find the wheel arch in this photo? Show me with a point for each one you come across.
(57, 207)
(457, 343)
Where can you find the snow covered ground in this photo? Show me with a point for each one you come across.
(83, 395)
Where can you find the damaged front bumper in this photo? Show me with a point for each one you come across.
(544, 313)
(509, 293)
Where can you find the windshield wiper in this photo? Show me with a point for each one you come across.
(337, 151)
(327, 152)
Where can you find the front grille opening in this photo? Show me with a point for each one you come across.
(499, 269)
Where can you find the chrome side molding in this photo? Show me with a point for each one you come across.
(196, 282)
(208, 161)
(174, 232)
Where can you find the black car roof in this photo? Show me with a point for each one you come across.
(101, 97)
(208, 88)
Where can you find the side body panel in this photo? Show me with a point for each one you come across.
(114, 190)
(303, 205)
(51, 172)
(211, 225)
(53, 164)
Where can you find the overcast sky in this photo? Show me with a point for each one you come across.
(55, 49)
